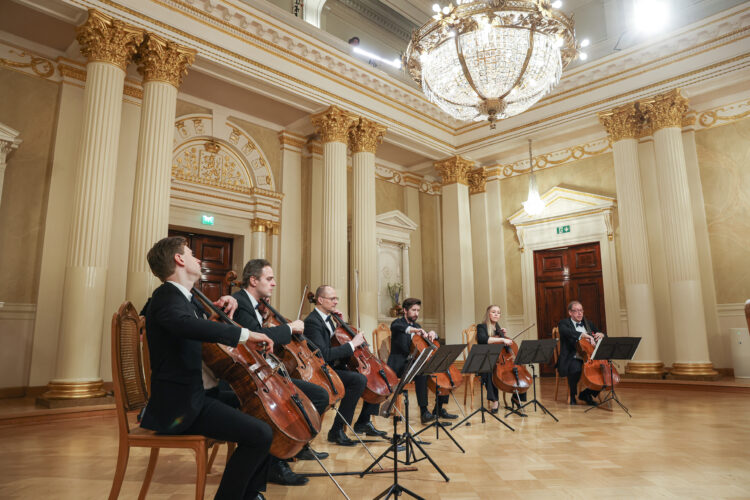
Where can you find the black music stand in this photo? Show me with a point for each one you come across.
(386, 409)
(440, 362)
(610, 348)
(530, 353)
(482, 359)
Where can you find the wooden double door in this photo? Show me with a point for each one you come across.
(215, 253)
(562, 275)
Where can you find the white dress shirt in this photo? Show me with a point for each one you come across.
(257, 313)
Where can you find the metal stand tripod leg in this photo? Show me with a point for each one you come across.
(481, 410)
(439, 426)
(535, 401)
(395, 489)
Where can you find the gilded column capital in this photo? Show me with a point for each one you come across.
(333, 124)
(260, 225)
(104, 39)
(162, 60)
(275, 228)
(454, 170)
(477, 181)
(365, 136)
(622, 122)
(665, 110)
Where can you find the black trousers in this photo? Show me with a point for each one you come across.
(573, 378)
(354, 386)
(492, 391)
(420, 387)
(247, 468)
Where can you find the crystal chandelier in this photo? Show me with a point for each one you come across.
(488, 60)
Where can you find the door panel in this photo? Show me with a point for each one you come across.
(215, 253)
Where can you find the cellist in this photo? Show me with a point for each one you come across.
(177, 327)
(319, 328)
(402, 330)
(570, 364)
(258, 282)
(490, 324)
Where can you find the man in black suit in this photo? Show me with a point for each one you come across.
(258, 283)
(402, 330)
(569, 364)
(319, 328)
(177, 327)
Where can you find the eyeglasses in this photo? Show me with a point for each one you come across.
(329, 298)
(577, 310)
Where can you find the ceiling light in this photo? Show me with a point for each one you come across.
(650, 16)
(585, 42)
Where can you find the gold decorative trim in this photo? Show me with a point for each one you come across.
(42, 67)
(133, 92)
(74, 390)
(636, 368)
(623, 122)
(477, 181)
(288, 139)
(258, 225)
(693, 369)
(105, 39)
(665, 110)
(333, 124)
(718, 116)
(162, 60)
(365, 136)
(406, 179)
(73, 72)
(275, 229)
(454, 170)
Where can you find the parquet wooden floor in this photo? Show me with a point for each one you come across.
(679, 444)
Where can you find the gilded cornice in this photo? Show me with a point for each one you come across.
(40, 66)
(477, 181)
(316, 148)
(259, 225)
(287, 139)
(74, 72)
(665, 110)
(454, 170)
(161, 60)
(104, 39)
(333, 124)
(365, 136)
(622, 122)
(406, 179)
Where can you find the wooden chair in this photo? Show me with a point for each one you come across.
(470, 339)
(381, 336)
(131, 395)
(555, 356)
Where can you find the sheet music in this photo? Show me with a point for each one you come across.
(598, 343)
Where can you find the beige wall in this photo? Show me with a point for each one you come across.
(432, 269)
(724, 161)
(594, 175)
(29, 106)
(388, 196)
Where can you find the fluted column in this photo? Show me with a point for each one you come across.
(458, 270)
(664, 115)
(364, 138)
(333, 126)
(316, 214)
(480, 241)
(275, 255)
(288, 267)
(496, 243)
(109, 46)
(258, 238)
(162, 64)
(623, 126)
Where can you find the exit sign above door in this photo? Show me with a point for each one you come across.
(563, 229)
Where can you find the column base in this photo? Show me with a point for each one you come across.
(67, 394)
(693, 371)
(635, 369)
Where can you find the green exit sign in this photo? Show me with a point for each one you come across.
(207, 220)
(563, 229)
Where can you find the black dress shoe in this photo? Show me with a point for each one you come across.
(259, 496)
(444, 414)
(495, 410)
(280, 473)
(339, 437)
(308, 453)
(573, 401)
(426, 417)
(369, 430)
(587, 397)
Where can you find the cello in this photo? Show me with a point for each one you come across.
(597, 374)
(508, 376)
(298, 358)
(381, 379)
(442, 384)
(264, 389)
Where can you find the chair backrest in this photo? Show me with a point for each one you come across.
(127, 363)
(145, 356)
(382, 338)
(470, 338)
(556, 352)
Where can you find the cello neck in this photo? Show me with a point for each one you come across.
(207, 302)
(274, 311)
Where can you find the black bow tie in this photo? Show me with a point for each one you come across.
(579, 324)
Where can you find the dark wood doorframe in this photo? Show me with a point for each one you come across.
(563, 274)
(215, 253)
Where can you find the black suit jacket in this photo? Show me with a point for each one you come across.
(483, 336)
(245, 316)
(567, 363)
(317, 332)
(400, 344)
(175, 333)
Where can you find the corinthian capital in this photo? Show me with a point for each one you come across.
(665, 110)
(454, 170)
(478, 181)
(161, 60)
(365, 136)
(104, 39)
(622, 122)
(333, 124)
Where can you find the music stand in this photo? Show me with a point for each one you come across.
(386, 409)
(530, 353)
(440, 362)
(482, 359)
(610, 348)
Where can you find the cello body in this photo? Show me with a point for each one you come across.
(509, 377)
(596, 374)
(439, 383)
